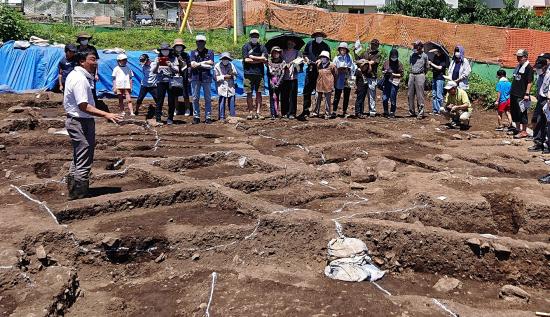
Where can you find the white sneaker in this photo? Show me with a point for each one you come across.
(132, 114)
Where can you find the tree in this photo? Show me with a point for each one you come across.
(13, 25)
(473, 11)
(513, 17)
(433, 9)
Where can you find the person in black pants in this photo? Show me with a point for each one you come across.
(539, 119)
(289, 85)
(311, 52)
(166, 66)
(148, 85)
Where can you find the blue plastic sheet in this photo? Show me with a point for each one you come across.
(108, 63)
(36, 68)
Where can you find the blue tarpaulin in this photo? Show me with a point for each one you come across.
(36, 68)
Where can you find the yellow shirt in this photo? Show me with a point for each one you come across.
(459, 99)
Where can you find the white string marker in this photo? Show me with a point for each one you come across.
(41, 204)
(438, 303)
(214, 277)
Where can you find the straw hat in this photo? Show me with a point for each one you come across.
(318, 32)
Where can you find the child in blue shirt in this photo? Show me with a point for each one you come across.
(503, 100)
(148, 85)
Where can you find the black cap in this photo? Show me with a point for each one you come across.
(143, 57)
(540, 62)
(71, 47)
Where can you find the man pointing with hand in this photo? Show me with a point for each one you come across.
(79, 105)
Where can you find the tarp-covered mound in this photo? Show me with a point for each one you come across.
(36, 68)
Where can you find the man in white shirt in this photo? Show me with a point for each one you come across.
(79, 105)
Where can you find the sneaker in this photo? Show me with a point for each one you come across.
(333, 115)
(273, 117)
(123, 113)
(196, 121)
(500, 128)
(187, 113)
(372, 114)
(346, 115)
(313, 115)
(510, 128)
(169, 122)
(521, 135)
(392, 115)
(208, 121)
(132, 114)
(358, 116)
(546, 151)
(291, 117)
(327, 116)
(420, 116)
(535, 148)
(512, 132)
(259, 117)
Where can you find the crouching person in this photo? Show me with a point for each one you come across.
(79, 105)
(457, 106)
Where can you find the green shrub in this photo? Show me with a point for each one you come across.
(482, 91)
(13, 26)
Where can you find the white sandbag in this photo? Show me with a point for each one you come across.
(346, 248)
(355, 269)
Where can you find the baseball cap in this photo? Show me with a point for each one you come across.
(121, 57)
(200, 37)
(541, 62)
(254, 32)
(143, 57)
(450, 85)
(71, 48)
(522, 52)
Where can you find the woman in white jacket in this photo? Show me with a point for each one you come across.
(459, 69)
(226, 75)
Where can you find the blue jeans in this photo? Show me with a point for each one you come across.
(437, 93)
(230, 104)
(197, 85)
(389, 95)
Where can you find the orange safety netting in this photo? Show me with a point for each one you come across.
(482, 43)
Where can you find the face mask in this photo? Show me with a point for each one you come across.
(254, 40)
(179, 48)
(165, 52)
(539, 71)
(415, 51)
(324, 60)
(201, 45)
(457, 54)
(319, 39)
(290, 45)
(225, 62)
(84, 42)
(394, 59)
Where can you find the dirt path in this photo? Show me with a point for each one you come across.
(256, 202)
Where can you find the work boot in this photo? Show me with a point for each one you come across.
(536, 148)
(80, 190)
(70, 183)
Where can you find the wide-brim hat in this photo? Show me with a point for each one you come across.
(324, 54)
(178, 42)
(226, 55)
(165, 46)
(83, 35)
(121, 57)
(276, 49)
(343, 45)
(318, 32)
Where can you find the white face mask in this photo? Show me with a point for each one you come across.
(225, 62)
(319, 39)
(254, 40)
(539, 71)
(457, 54)
(165, 52)
(415, 51)
(324, 60)
(179, 48)
(84, 42)
(393, 59)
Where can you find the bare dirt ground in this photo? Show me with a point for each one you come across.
(257, 202)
